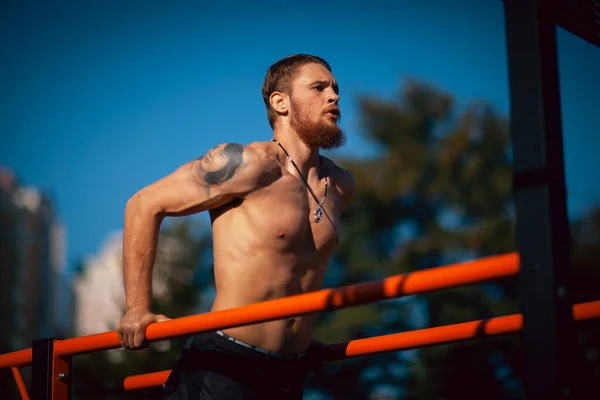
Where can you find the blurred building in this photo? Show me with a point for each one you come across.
(34, 290)
(98, 287)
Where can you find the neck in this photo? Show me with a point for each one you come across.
(304, 156)
(319, 210)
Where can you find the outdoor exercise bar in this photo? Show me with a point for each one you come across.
(53, 364)
(404, 341)
(428, 280)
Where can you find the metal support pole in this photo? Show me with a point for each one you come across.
(540, 198)
(50, 375)
(41, 369)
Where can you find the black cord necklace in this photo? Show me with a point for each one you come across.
(319, 210)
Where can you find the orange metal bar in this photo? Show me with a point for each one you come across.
(20, 358)
(20, 383)
(432, 279)
(404, 340)
(427, 337)
(146, 380)
(323, 300)
(83, 344)
(589, 310)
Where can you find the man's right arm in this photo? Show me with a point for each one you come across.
(225, 172)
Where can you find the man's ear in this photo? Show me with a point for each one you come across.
(280, 102)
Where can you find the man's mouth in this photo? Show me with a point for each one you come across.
(334, 112)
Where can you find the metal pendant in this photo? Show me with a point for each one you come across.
(318, 214)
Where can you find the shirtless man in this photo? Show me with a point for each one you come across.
(275, 208)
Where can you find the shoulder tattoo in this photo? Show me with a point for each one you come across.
(218, 165)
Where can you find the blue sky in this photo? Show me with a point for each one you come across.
(99, 98)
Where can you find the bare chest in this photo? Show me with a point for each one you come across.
(284, 212)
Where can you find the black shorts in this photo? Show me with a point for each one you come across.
(215, 366)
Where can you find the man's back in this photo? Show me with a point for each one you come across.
(267, 246)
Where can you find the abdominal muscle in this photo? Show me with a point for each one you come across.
(259, 278)
(260, 255)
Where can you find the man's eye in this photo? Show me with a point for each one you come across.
(320, 88)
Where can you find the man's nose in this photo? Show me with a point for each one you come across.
(333, 97)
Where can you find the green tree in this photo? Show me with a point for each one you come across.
(439, 191)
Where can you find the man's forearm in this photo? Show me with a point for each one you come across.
(140, 238)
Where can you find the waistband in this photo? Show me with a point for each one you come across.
(266, 352)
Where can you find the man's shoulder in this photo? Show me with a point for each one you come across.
(336, 170)
(252, 152)
(259, 149)
(342, 177)
(245, 166)
(259, 161)
(261, 155)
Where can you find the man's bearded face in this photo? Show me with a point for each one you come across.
(317, 130)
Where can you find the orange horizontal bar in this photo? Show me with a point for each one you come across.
(85, 344)
(589, 310)
(146, 380)
(426, 337)
(404, 340)
(428, 280)
(327, 299)
(20, 383)
(19, 358)
(449, 333)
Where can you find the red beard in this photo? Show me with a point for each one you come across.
(316, 134)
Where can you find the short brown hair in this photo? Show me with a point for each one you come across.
(280, 75)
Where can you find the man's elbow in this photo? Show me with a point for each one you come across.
(142, 204)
